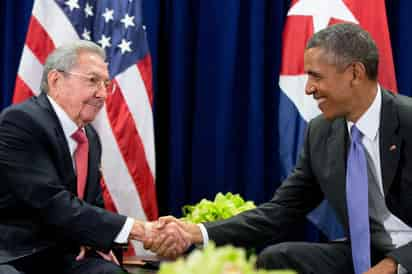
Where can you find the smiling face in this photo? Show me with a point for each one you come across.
(330, 87)
(80, 91)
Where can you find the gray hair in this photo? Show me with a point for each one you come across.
(347, 43)
(65, 57)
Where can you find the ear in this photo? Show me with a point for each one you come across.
(53, 80)
(358, 73)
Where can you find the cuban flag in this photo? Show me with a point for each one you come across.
(125, 124)
(304, 18)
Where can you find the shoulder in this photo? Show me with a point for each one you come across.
(29, 116)
(24, 111)
(404, 105)
(321, 132)
(397, 106)
(397, 114)
(320, 126)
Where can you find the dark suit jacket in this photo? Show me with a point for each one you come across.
(38, 205)
(321, 173)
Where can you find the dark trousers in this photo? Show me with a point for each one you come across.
(52, 262)
(308, 258)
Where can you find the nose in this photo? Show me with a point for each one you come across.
(309, 89)
(102, 90)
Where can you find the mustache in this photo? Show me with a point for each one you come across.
(98, 103)
(316, 96)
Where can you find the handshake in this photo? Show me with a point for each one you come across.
(168, 237)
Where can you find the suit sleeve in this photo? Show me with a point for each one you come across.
(398, 198)
(402, 256)
(29, 171)
(270, 222)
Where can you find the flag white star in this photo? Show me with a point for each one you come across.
(322, 11)
(88, 10)
(73, 4)
(86, 34)
(105, 41)
(127, 21)
(108, 15)
(125, 46)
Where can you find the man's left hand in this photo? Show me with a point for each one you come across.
(386, 266)
(107, 256)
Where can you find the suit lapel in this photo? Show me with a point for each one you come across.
(59, 144)
(337, 146)
(93, 165)
(390, 140)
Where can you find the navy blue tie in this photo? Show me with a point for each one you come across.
(357, 201)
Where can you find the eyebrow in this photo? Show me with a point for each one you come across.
(313, 73)
(94, 74)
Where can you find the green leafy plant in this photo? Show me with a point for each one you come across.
(223, 207)
(216, 260)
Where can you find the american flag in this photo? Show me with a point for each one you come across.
(125, 124)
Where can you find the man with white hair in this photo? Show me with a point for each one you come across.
(52, 216)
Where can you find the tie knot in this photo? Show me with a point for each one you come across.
(356, 135)
(79, 136)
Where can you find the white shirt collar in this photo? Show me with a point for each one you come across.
(369, 122)
(69, 127)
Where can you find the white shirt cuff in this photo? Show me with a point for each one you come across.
(402, 270)
(123, 235)
(205, 236)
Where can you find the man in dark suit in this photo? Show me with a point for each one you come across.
(363, 136)
(51, 220)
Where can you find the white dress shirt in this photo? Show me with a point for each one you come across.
(69, 127)
(387, 231)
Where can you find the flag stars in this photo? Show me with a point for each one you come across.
(125, 46)
(105, 41)
(322, 11)
(108, 15)
(86, 34)
(128, 21)
(73, 4)
(88, 10)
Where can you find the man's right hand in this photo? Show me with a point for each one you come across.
(138, 231)
(170, 237)
(193, 230)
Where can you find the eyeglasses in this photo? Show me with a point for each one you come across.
(94, 82)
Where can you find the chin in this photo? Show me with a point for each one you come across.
(86, 119)
(329, 116)
(89, 114)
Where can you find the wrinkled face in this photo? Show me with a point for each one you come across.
(331, 88)
(81, 91)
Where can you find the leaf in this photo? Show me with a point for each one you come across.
(223, 207)
(216, 260)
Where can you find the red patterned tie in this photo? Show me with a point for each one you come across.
(81, 157)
